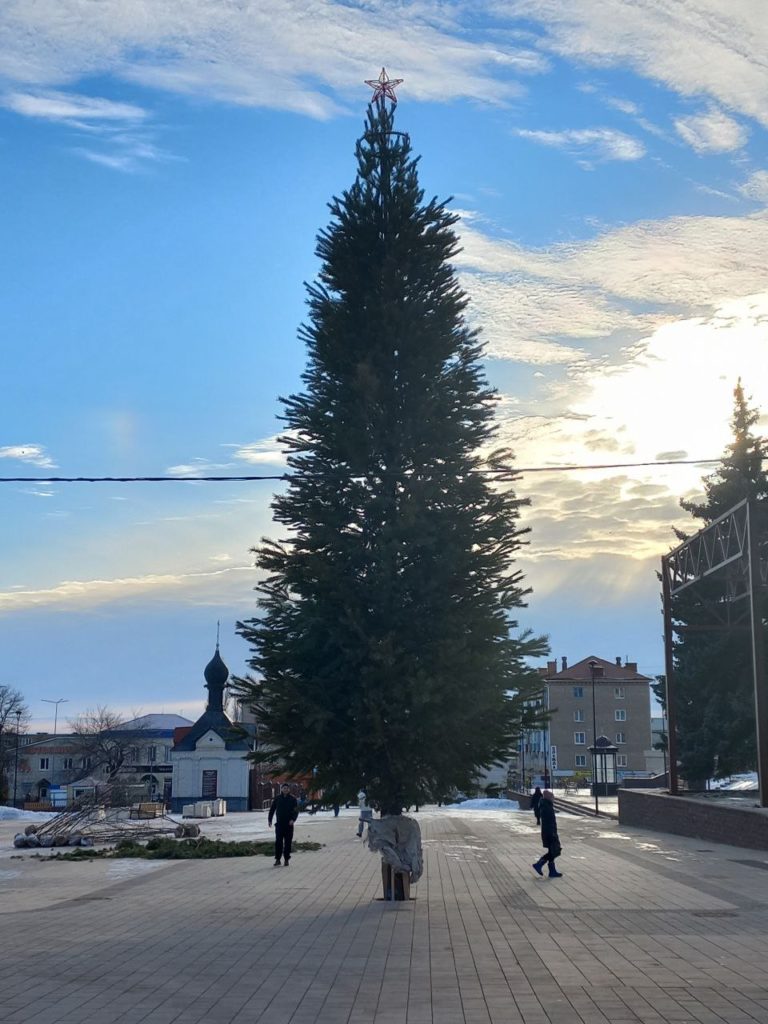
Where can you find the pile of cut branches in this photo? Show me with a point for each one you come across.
(165, 848)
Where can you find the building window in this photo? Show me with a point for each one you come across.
(621, 737)
(578, 715)
(621, 760)
(151, 754)
(579, 738)
(85, 763)
(581, 761)
(620, 716)
(43, 764)
(618, 692)
(166, 754)
(578, 691)
(67, 764)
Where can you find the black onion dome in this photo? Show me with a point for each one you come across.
(216, 672)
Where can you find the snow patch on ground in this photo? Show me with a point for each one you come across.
(14, 814)
(486, 804)
(736, 783)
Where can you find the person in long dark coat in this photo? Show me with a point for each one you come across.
(549, 837)
(285, 811)
(535, 801)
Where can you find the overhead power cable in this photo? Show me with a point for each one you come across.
(491, 471)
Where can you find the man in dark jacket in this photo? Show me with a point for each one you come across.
(285, 811)
(535, 803)
(549, 836)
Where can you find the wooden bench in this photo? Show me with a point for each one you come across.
(149, 810)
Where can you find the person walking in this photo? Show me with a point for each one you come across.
(366, 812)
(285, 811)
(535, 802)
(549, 837)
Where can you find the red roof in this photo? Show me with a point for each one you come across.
(581, 672)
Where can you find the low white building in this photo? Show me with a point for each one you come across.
(209, 760)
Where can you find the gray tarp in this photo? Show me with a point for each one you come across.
(398, 840)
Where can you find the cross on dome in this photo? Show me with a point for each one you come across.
(384, 87)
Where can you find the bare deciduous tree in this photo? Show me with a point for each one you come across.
(14, 714)
(102, 738)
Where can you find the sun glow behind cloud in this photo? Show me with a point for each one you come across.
(673, 397)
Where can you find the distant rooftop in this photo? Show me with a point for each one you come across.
(607, 671)
(165, 722)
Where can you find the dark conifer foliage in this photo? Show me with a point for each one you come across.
(386, 644)
(714, 684)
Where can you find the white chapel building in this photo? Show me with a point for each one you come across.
(209, 760)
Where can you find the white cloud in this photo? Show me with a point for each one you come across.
(672, 397)
(685, 305)
(599, 143)
(112, 128)
(537, 321)
(713, 132)
(625, 279)
(267, 452)
(311, 57)
(70, 107)
(34, 454)
(694, 47)
(189, 587)
(129, 153)
(756, 187)
(625, 106)
(198, 467)
(283, 54)
(708, 190)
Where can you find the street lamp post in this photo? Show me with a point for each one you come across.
(16, 758)
(521, 759)
(593, 667)
(61, 700)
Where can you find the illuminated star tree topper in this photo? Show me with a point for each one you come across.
(384, 87)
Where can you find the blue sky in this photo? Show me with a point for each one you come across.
(165, 170)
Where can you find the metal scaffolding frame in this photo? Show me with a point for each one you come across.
(733, 549)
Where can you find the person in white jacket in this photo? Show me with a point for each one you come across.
(366, 812)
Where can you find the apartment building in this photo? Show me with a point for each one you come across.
(622, 712)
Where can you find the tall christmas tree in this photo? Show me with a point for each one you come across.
(714, 683)
(387, 646)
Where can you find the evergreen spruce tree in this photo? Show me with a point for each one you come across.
(387, 647)
(714, 684)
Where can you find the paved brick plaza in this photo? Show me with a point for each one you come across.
(642, 928)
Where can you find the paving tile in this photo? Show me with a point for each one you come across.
(640, 930)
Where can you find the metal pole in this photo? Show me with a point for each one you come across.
(548, 745)
(16, 764)
(670, 673)
(61, 700)
(522, 751)
(593, 672)
(758, 652)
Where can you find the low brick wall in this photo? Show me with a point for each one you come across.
(698, 818)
